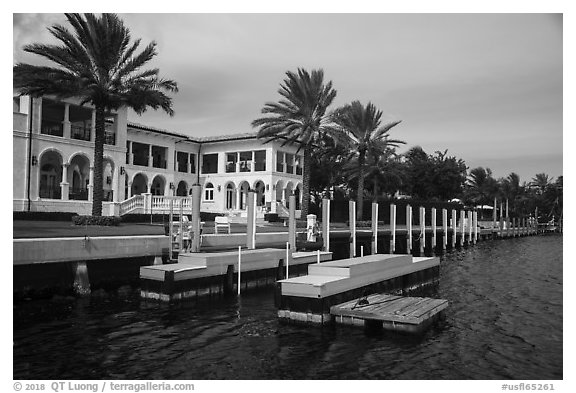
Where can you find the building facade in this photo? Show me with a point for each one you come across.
(53, 150)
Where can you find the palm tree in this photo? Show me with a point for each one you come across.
(541, 181)
(299, 118)
(481, 186)
(98, 63)
(367, 138)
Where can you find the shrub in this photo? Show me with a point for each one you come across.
(43, 216)
(164, 218)
(96, 220)
(272, 217)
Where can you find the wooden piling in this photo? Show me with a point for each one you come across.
(292, 222)
(494, 215)
(352, 220)
(463, 231)
(170, 229)
(433, 230)
(393, 228)
(422, 230)
(453, 228)
(470, 227)
(445, 227)
(374, 228)
(181, 228)
(251, 220)
(196, 199)
(475, 223)
(409, 229)
(326, 223)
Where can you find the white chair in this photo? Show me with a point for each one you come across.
(221, 222)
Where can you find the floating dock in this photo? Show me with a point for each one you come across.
(199, 274)
(395, 313)
(308, 299)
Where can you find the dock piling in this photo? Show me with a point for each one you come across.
(239, 267)
(462, 222)
(81, 278)
(287, 257)
(251, 220)
(292, 222)
(433, 230)
(409, 229)
(352, 223)
(422, 230)
(445, 228)
(326, 223)
(196, 197)
(393, 228)
(454, 228)
(374, 228)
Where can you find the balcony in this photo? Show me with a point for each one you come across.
(52, 128)
(80, 132)
(141, 160)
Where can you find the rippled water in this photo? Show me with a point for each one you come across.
(504, 321)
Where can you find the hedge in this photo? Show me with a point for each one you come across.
(43, 216)
(96, 220)
(164, 218)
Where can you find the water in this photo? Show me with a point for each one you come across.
(504, 322)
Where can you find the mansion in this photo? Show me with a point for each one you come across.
(144, 167)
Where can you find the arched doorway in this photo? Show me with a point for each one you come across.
(260, 189)
(287, 192)
(158, 185)
(279, 190)
(230, 196)
(243, 195)
(182, 189)
(139, 184)
(108, 180)
(298, 195)
(50, 175)
(79, 177)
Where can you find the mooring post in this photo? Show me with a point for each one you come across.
(181, 229)
(409, 229)
(445, 229)
(81, 278)
(470, 222)
(317, 256)
(392, 228)
(326, 223)
(170, 234)
(433, 217)
(453, 228)
(292, 222)
(239, 267)
(251, 220)
(536, 220)
(374, 228)
(494, 212)
(196, 198)
(287, 258)
(422, 218)
(352, 220)
(463, 231)
(475, 219)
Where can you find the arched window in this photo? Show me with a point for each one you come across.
(209, 192)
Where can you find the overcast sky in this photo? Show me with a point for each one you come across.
(487, 87)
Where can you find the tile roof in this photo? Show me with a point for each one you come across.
(205, 139)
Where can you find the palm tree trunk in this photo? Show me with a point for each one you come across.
(97, 190)
(360, 193)
(375, 197)
(306, 181)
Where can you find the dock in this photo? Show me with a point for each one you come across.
(395, 313)
(308, 299)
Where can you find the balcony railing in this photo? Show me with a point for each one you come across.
(50, 192)
(55, 129)
(140, 160)
(260, 166)
(80, 132)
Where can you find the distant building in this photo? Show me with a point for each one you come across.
(53, 170)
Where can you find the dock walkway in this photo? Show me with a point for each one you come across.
(397, 313)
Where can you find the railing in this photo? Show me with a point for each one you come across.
(80, 132)
(161, 203)
(158, 163)
(78, 194)
(50, 192)
(131, 204)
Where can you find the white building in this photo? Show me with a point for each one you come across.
(144, 167)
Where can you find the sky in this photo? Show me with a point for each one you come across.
(486, 87)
